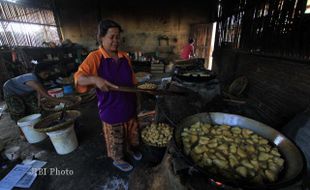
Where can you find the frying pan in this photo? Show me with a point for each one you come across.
(295, 164)
(195, 75)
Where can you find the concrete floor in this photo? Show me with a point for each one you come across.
(91, 167)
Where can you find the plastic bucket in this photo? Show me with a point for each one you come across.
(12, 153)
(56, 92)
(64, 141)
(68, 89)
(26, 124)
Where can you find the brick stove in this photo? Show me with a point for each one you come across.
(173, 172)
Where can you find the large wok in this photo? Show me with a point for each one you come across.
(295, 164)
(194, 75)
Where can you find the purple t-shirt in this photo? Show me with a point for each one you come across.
(116, 107)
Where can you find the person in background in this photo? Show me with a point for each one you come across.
(22, 94)
(188, 50)
(105, 69)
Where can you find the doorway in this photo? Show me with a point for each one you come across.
(204, 35)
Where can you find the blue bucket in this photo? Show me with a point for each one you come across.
(68, 89)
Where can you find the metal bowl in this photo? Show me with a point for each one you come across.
(295, 163)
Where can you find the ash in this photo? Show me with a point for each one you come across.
(115, 183)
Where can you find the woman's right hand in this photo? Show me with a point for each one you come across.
(103, 84)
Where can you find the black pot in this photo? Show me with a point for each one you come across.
(153, 154)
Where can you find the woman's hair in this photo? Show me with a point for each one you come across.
(191, 40)
(38, 68)
(104, 26)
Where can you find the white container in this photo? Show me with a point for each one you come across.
(12, 153)
(56, 92)
(26, 124)
(64, 141)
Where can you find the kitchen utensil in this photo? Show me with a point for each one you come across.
(154, 92)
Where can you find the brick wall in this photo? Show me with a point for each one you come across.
(279, 88)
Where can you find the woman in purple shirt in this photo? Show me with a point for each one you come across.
(104, 69)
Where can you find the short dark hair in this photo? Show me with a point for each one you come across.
(38, 68)
(104, 26)
(191, 40)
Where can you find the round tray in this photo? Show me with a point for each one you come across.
(88, 96)
(44, 124)
(50, 106)
(238, 86)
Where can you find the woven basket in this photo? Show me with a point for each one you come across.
(44, 125)
(238, 86)
(50, 106)
(88, 96)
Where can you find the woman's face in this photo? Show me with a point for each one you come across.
(44, 74)
(111, 40)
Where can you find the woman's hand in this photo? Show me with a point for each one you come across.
(103, 84)
(99, 82)
(42, 92)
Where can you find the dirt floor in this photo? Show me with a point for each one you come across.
(92, 169)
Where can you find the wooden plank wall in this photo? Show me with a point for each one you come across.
(278, 87)
(279, 27)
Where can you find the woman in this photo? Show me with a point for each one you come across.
(22, 94)
(104, 69)
(188, 50)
